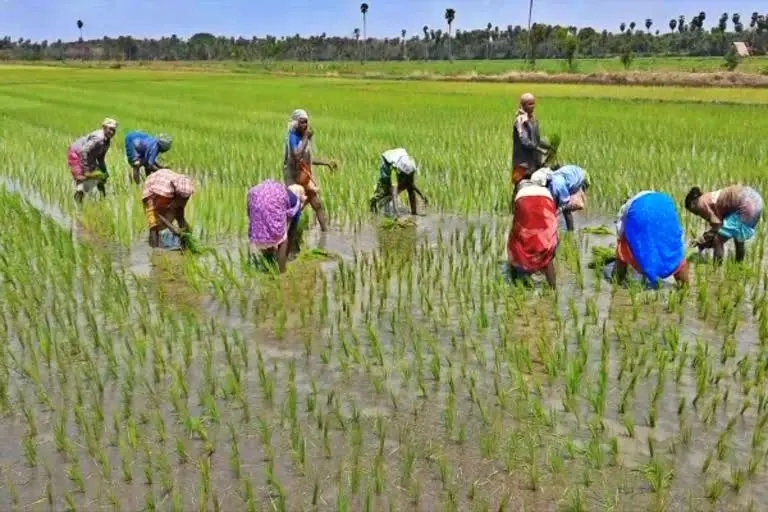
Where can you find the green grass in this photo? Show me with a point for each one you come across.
(482, 67)
(389, 368)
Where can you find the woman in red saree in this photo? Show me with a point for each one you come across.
(533, 239)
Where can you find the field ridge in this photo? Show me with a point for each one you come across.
(745, 77)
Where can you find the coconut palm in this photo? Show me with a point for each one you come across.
(80, 28)
(530, 34)
(405, 49)
(648, 23)
(450, 15)
(364, 12)
(672, 24)
(425, 29)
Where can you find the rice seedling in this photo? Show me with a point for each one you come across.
(391, 366)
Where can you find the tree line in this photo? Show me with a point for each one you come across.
(678, 36)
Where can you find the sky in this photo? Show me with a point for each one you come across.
(56, 19)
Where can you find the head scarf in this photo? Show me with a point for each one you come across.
(296, 116)
(164, 142)
(541, 177)
(109, 123)
(299, 192)
(406, 165)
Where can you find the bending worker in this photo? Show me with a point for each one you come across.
(568, 185)
(405, 169)
(533, 239)
(87, 158)
(650, 239)
(732, 212)
(142, 150)
(165, 197)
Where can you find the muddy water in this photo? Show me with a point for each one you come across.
(357, 380)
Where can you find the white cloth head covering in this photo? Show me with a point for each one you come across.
(109, 123)
(299, 192)
(296, 116)
(406, 165)
(541, 177)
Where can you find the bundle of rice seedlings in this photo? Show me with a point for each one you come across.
(317, 254)
(599, 230)
(192, 245)
(601, 256)
(96, 175)
(397, 223)
(554, 143)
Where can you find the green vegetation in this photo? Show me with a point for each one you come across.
(405, 374)
(438, 40)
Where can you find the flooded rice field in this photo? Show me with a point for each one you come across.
(405, 373)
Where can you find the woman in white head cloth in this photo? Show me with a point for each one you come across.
(86, 158)
(298, 162)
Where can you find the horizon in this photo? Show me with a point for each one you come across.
(105, 18)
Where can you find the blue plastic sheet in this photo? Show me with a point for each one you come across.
(169, 241)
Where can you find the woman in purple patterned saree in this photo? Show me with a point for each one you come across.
(273, 217)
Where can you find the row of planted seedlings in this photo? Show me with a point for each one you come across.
(367, 292)
(436, 273)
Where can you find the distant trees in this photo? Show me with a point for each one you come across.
(488, 42)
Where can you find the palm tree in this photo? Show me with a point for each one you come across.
(450, 15)
(722, 23)
(530, 34)
(356, 33)
(405, 49)
(622, 27)
(488, 45)
(632, 25)
(364, 12)
(753, 20)
(648, 23)
(80, 28)
(672, 24)
(425, 29)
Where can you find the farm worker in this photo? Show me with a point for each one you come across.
(533, 239)
(86, 157)
(568, 185)
(732, 212)
(405, 169)
(527, 148)
(142, 150)
(650, 239)
(298, 162)
(274, 211)
(165, 195)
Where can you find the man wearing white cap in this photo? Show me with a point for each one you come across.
(86, 157)
(405, 167)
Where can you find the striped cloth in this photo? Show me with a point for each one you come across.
(166, 183)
